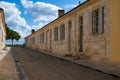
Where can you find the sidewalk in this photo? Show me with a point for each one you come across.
(113, 70)
(7, 66)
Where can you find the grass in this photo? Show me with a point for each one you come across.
(21, 45)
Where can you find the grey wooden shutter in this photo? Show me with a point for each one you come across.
(100, 24)
(90, 23)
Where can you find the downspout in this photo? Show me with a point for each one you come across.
(108, 53)
(75, 33)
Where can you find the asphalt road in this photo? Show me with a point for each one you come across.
(40, 66)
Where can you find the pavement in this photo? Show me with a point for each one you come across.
(111, 69)
(7, 66)
(41, 66)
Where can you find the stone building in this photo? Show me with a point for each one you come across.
(90, 31)
(2, 30)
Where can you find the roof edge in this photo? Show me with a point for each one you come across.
(61, 16)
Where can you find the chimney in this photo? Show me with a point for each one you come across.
(60, 12)
(32, 31)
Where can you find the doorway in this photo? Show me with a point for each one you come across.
(69, 35)
(81, 34)
(50, 40)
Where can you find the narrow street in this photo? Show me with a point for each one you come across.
(40, 66)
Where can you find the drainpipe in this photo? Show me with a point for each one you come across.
(75, 33)
(107, 37)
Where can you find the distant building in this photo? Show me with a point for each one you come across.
(2, 30)
(91, 30)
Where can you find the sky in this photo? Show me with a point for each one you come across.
(24, 15)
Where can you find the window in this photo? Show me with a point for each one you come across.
(42, 38)
(26, 41)
(62, 32)
(2, 37)
(96, 21)
(81, 34)
(81, 21)
(56, 33)
(33, 40)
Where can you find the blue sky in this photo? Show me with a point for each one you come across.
(24, 15)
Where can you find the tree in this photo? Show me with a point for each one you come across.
(12, 35)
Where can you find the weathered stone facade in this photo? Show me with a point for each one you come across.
(2, 30)
(85, 35)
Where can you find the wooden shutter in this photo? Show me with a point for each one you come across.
(100, 24)
(90, 23)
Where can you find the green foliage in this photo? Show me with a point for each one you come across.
(12, 35)
(16, 45)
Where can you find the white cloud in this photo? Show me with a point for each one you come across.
(13, 18)
(40, 11)
(27, 3)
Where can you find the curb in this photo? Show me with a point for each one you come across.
(21, 73)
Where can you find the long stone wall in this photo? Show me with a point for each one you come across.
(2, 30)
(94, 46)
